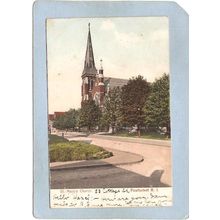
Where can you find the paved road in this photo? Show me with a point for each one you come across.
(156, 154)
(100, 177)
(165, 143)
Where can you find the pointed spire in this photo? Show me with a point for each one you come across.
(89, 63)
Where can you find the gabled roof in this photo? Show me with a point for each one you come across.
(115, 82)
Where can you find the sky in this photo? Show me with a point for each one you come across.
(128, 46)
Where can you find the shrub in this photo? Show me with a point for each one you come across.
(74, 150)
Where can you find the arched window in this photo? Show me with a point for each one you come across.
(89, 82)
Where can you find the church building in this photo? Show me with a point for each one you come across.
(94, 85)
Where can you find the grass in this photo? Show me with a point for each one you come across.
(56, 139)
(148, 135)
(60, 149)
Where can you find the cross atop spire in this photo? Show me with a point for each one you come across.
(89, 63)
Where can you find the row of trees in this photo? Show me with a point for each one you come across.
(138, 103)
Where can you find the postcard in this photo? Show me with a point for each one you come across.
(110, 104)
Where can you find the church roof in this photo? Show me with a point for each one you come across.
(115, 82)
(89, 63)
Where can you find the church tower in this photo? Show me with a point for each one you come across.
(89, 72)
(99, 90)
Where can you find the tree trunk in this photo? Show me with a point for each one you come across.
(139, 131)
(168, 130)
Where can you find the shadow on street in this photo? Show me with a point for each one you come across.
(105, 176)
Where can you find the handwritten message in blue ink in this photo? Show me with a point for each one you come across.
(111, 197)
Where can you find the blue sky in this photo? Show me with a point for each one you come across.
(127, 46)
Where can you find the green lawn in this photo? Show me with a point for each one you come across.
(56, 139)
(60, 149)
(149, 135)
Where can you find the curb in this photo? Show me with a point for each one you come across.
(94, 165)
(74, 166)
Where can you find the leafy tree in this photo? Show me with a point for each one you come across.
(134, 96)
(157, 110)
(68, 120)
(89, 115)
(59, 122)
(111, 115)
(71, 118)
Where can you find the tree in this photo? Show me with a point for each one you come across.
(68, 120)
(157, 110)
(89, 115)
(111, 115)
(59, 122)
(134, 96)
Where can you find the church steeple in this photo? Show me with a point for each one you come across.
(89, 63)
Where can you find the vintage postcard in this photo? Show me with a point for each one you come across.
(109, 115)
(110, 119)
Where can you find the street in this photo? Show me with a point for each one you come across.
(100, 177)
(156, 158)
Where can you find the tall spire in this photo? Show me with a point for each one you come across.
(89, 63)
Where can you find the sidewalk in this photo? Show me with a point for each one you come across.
(102, 135)
(118, 158)
(165, 143)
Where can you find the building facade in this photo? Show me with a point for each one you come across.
(94, 85)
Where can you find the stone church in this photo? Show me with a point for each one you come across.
(94, 85)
